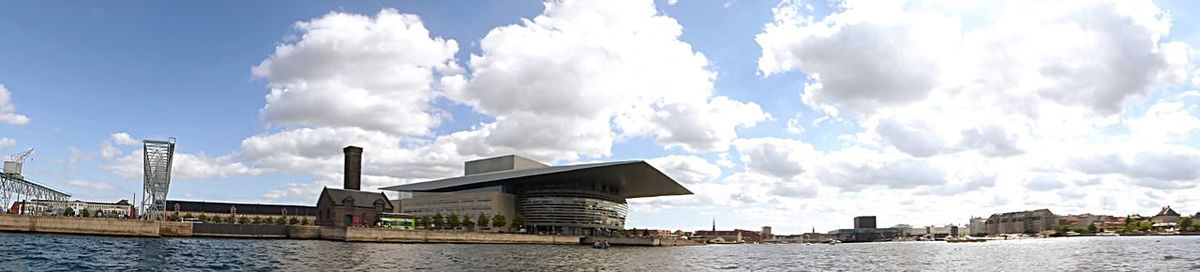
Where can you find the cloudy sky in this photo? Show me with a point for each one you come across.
(794, 114)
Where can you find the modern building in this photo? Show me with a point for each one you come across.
(583, 199)
(1023, 222)
(186, 210)
(867, 234)
(864, 222)
(350, 206)
(120, 209)
(865, 231)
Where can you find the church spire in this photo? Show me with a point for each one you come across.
(714, 224)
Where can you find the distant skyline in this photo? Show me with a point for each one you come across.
(789, 114)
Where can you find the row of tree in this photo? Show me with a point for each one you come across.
(86, 213)
(231, 219)
(454, 221)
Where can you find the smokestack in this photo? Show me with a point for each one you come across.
(353, 172)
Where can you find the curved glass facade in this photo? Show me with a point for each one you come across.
(570, 208)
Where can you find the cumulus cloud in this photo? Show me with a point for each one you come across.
(8, 112)
(777, 157)
(584, 73)
(185, 166)
(355, 70)
(7, 142)
(1023, 71)
(687, 169)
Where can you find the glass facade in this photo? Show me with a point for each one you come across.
(572, 209)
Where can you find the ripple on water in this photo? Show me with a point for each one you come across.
(43, 252)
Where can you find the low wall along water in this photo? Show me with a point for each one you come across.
(78, 225)
(123, 227)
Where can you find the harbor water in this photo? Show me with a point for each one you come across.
(50, 252)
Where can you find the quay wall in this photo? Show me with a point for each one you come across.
(78, 225)
(240, 230)
(174, 229)
(622, 241)
(425, 236)
(304, 232)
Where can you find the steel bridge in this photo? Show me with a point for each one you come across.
(14, 187)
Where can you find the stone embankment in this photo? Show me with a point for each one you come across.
(76, 225)
(139, 228)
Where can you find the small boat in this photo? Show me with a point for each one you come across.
(600, 245)
(833, 242)
(1112, 234)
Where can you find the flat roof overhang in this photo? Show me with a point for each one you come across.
(633, 179)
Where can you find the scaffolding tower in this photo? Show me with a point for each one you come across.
(156, 158)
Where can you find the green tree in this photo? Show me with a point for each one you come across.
(518, 221)
(256, 220)
(172, 217)
(1132, 226)
(453, 221)
(243, 220)
(230, 219)
(304, 221)
(1091, 228)
(203, 218)
(1145, 225)
(1185, 223)
(419, 221)
(439, 221)
(188, 216)
(482, 220)
(280, 220)
(294, 221)
(69, 211)
(85, 213)
(499, 221)
(466, 222)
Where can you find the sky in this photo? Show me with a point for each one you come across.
(792, 114)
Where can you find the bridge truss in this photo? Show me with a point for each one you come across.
(14, 187)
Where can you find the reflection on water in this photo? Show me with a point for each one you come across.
(39, 252)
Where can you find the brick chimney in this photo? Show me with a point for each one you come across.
(353, 172)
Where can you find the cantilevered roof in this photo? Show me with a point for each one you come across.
(632, 179)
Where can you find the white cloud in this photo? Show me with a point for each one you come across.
(1171, 121)
(687, 169)
(776, 157)
(794, 126)
(1018, 73)
(94, 185)
(7, 142)
(354, 70)
(109, 148)
(583, 67)
(123, 138)
(8, 112)
(185, 166)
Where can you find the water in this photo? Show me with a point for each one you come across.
(49, 252)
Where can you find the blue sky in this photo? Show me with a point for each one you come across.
(792, 114)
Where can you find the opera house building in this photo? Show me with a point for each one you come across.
(582, 199)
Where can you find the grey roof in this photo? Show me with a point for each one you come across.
(361, 198)
(634, 178)
(1167, 211)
